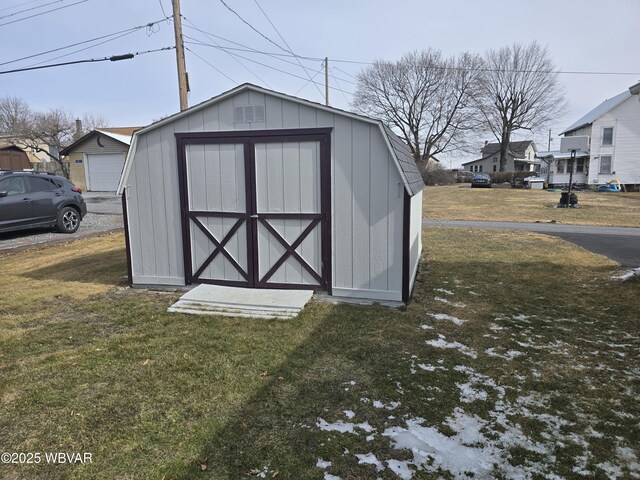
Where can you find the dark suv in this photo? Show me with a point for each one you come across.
(34, 200)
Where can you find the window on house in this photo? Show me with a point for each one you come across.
(495, 159)
(580, 165)
(560, 166)
(607, 136)
(495, 168)
(480, 167)
(605, 164)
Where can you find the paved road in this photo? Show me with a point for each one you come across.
(621, 244)
(104, 214)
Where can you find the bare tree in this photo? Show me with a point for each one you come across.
(15, 115)
(425, 98)
(520, 91)
(93, 121)
(49, 133)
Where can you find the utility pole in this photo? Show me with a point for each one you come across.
(183, 86)
(326, 81)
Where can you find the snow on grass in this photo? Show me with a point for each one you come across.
(431, 368)
(370, 459)
(443, 316)
(343, 427)
(390, 406)
(449, 302)
(442, 343)
(443, 290)
(463, 454)
(508, 355)
(323, 464)
(349, 414)
(426, 327)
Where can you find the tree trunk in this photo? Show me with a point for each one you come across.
(504, 149)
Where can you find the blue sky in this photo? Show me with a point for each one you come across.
(582, 35)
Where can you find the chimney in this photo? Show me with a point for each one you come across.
(486, 142)
(78, 128)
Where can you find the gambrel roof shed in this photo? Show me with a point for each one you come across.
(260, 189)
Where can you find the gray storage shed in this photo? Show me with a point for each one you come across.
(259, 189)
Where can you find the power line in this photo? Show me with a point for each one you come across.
(283, 71)
(82, 43)
(339, 86)
(32, 8)
(211, 65)
(162, 8)
(216, 45)
(43, 13)
(310, 80)
(250, 26)
(290, 49)
(112, 58)
(19, 5)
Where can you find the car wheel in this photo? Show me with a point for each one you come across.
(68, 220)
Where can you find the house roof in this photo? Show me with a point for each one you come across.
(517, 149)
(117, 133)
(597, 112)
(400, 151)
(635, 89)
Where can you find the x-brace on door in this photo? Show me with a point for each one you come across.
(256, 208)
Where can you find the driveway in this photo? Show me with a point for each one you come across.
(104, 214)
(620, 244)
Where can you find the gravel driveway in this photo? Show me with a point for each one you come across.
(104, 214)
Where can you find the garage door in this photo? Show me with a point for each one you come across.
(104, 171)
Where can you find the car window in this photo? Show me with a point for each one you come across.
(13, 185)
(39, 184)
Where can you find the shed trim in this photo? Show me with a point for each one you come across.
(406, 170)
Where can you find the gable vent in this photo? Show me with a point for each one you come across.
(248, 114)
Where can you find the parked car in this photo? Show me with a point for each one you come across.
(482, 180)
(36, 200)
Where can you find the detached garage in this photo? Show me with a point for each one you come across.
(259, 189)
(96, 160)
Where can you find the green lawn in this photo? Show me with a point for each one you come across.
(533, 371)
(461, 202)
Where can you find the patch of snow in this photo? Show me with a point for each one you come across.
(449, 302)
(442, 343)
(613, 471)
(328, 476)
(431, 368)
(443, 290)
(370, 459)
(401, 468)
(426, 327)
(509, 355)
(323, 464)
(369, 438)
(443, 316)
(390, 406)
(349, 414)
(343, 427)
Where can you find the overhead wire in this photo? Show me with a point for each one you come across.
(339, 86)
(18, 5)
(310, 80)
(112, 58)
(211, 65)
(285, 42)
(190, 24)
(81, 43)
(43, 13)
(30, 9)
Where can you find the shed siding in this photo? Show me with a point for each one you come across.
(415, 237)
(367, 197)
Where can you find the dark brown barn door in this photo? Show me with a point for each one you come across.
(256, 209)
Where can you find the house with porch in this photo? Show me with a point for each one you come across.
(613, 128)
(521, 157)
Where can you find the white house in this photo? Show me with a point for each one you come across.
(614, 150)
(521, 157)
